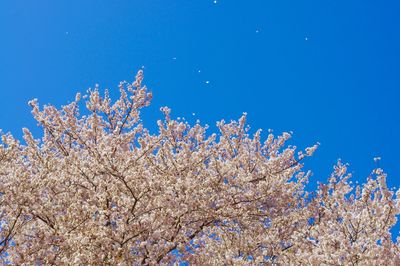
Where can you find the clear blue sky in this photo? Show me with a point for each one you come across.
(327, 70)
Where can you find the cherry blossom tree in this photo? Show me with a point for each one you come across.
(99, 189)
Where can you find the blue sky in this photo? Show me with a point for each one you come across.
(326, 70)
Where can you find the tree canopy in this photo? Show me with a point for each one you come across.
(101, 189)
